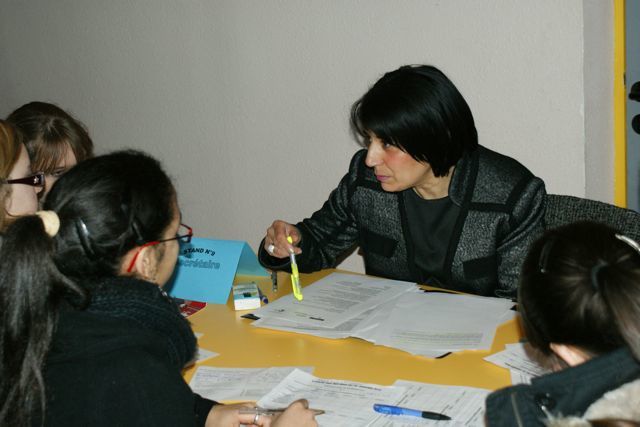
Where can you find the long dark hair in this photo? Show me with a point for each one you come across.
(580, 285)
(107, 206)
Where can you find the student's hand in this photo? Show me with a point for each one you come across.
(275, 242)
(297, 414)
(228, 416)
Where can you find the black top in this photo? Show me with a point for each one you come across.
(431, 224)
(119, 362)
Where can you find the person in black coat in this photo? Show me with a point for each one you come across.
(424, 202)
(579, 300)
(88, 337)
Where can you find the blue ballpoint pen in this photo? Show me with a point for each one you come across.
(397, 410)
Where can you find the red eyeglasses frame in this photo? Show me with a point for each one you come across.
(186, 238)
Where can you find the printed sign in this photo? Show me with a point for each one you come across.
(206, 269)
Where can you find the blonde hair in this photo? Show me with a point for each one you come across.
(10, 144)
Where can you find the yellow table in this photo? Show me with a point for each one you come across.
(243, 346)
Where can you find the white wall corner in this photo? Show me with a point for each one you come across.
(598, 99)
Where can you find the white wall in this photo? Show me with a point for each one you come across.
(247, 102)
(598, 94)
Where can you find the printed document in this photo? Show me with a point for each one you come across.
(432, 322)
(346, 403)
(349, 403)
(518, 359)
(335, 299)
(238, 383)
(465, 405)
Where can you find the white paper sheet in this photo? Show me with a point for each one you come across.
(203, 354)
(238, 383)
(334, 299)
(521, 365)
(345, 403)
(343, 330)
(432, 322)
(465, 405)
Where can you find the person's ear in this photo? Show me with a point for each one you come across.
(145, 266)
(572, 355)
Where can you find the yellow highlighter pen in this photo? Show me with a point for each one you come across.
(295, 276)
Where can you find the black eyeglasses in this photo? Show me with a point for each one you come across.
(35, 180)
(184, 235)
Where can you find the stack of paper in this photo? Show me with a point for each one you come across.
(521, 362)
(348, 403)
(390, 313)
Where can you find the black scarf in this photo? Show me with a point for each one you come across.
(146, 305)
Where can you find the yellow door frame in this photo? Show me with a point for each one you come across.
(619, 107)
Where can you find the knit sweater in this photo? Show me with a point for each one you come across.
(501, 208)
(119, 362)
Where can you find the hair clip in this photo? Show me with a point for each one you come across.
(629, 241)
(51, 222)
(544, 254)
(595, 270)
(134, 226)
(83, 234)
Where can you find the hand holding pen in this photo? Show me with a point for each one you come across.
(276, 241)
(297, 414)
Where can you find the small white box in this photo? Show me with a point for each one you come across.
(246, 296)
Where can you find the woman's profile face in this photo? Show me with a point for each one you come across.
(23, 199)
(67, 162)
(395, 169)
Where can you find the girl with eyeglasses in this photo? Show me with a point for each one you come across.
(88, 338)
(19, 187)
(579, 299)
(55, 140)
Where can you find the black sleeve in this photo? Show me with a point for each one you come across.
(201, 408)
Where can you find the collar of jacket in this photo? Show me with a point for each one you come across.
(577, 387)
(464, 177)
(565, 393)
(622, 403)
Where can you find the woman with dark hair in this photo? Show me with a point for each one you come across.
(88, 338)
(579, 298)
(424, 201)
(19, 187)
(54, 139)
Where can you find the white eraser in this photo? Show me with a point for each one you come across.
(246, 296)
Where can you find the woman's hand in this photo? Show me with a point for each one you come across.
(275, 242)
(229, 416)
(297, 414)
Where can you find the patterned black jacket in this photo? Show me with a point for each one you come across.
(501, 213)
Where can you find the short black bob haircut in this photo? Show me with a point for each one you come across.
(419, 110)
